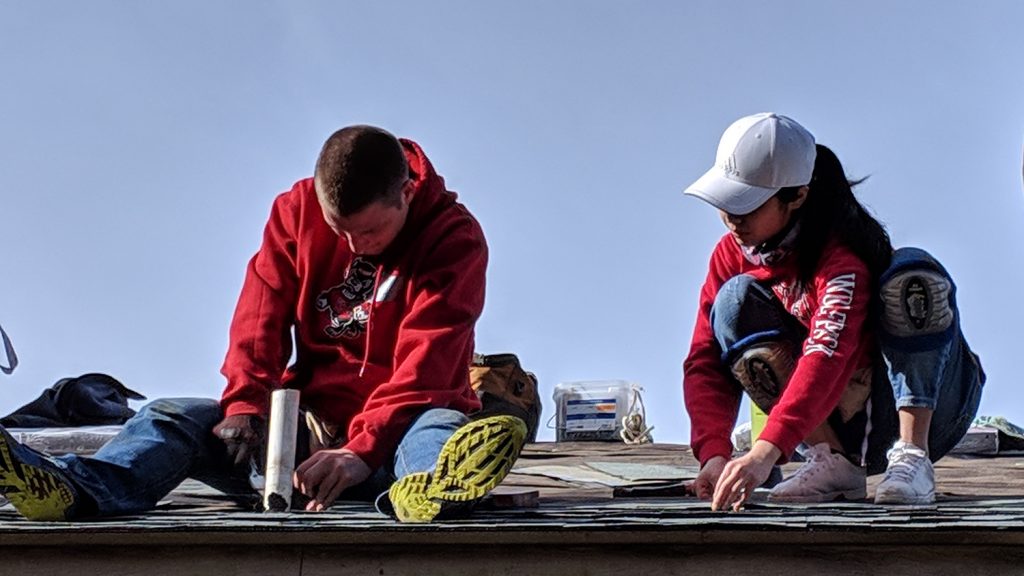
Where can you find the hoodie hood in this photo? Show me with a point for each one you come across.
(429, 199)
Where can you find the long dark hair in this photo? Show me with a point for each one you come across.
(832, 211)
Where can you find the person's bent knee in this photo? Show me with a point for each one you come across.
(914, 257)
(763, 371)
(205, 412)
(744, 312)
(443, 417)
(733, 293)
(918, 298)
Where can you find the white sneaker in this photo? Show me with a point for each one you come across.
(824, 477)
(909, 479)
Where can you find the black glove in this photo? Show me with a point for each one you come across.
(243, 434)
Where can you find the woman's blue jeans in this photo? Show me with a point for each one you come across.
(170, 440)
(924, 356)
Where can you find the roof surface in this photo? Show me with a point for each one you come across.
(577, 528)
(973, 494)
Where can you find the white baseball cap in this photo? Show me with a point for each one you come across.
(757, 156)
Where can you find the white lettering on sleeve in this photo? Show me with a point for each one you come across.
(830, 320)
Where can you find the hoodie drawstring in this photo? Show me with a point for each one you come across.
(369, 319)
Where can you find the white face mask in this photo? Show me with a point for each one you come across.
(12, 358)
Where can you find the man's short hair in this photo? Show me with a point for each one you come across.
(360, 165)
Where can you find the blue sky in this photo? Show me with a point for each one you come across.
(142, 143)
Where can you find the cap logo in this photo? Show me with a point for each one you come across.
(729, 166)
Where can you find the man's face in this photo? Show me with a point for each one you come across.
(371, 230)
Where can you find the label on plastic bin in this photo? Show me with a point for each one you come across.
(590, 415)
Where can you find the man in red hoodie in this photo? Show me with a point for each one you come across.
(379, 273)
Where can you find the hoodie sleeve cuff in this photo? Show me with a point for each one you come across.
(370, 449)
(242, 407)
(783, 439)
(714, 448)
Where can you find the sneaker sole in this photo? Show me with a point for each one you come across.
(35, 492)
(894, 499)
(471, 463)
(856, 494)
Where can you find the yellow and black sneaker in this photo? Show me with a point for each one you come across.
(472, 462)
(34, 485)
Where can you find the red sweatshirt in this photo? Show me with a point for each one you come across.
(834, 307)
(378, 339)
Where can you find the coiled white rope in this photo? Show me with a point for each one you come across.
(634, 424)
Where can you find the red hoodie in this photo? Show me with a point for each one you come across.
(833, 307)
(378, 339)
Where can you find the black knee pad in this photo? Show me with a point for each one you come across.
(917, 302)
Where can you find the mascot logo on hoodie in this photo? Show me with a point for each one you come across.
(348, 304)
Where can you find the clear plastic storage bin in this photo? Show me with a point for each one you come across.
(591, 410)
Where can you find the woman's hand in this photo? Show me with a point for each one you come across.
(742, 475)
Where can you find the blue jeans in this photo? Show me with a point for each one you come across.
(928, 365)
(170, 440)
(927, 359)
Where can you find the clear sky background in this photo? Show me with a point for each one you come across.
(142, 143)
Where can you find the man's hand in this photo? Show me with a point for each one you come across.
(704, 486)
(742, 475)
(242, 434)
(326, 474)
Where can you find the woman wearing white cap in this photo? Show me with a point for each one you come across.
(851, 348)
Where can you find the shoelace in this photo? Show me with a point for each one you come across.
(902, 467)
(811, 468)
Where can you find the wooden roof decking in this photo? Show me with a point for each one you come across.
(578, 528)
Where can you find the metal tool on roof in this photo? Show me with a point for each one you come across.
(12, 358)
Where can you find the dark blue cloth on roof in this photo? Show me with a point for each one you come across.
(89, 400)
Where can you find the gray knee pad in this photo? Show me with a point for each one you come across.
(916, 302)
(763, 370)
